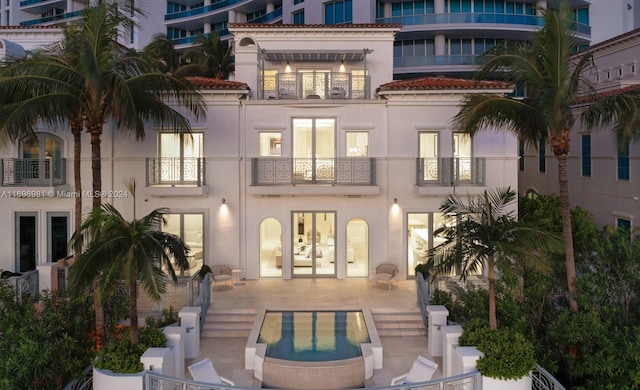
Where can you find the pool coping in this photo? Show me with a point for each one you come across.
(254, 352)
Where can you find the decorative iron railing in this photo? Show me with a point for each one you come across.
(450, 171)
(267, 171)
(25, 286)
(315, 85)
(175, 171)
(541, 379)
(33, 172)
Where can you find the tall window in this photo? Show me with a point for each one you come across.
(340, 11)
(623, 223)
(298, 17)
(428, 155)
(623, 162)
(189, 227)
(521, 149)
(180, 158)
(586, 155)
(463, 157)
(542, 159)
(41, 163)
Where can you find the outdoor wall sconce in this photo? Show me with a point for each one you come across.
(395, 200)
(224, 201)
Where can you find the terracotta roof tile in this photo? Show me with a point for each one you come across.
(613, 92)
(315, 26)
(441, 83)
(209, 83)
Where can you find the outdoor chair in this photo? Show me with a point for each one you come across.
(385, 273)
(421, 371)
(220, 274)
(203, 371)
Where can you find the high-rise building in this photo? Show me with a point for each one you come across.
(437, 37)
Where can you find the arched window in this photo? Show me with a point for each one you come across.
(270, 248)
(41, 162)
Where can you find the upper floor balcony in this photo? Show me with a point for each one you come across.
(205, 10)
(52, 19)
(33, 172)
(343, 176)
(41, 5)
(223, 34)
(176, 176)
(315, 85)
(450, 172)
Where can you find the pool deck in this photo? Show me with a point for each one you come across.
(399, 353)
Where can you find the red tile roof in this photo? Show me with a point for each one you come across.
(613, 92)
(441, 83)
(316, 26)
(209, 83)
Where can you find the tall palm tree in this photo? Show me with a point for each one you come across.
(161, 53)
(130, 251)
(485, 232)
(554, 80)
(210, 57)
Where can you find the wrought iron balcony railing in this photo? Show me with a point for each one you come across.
(173, 171)
(450, 171)
(266, 171)
(33, 172)
(315, 85)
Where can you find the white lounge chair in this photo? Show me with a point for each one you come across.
(421, 371)
(203, 371)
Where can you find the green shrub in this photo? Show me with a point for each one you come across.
(506, 354)
(121, 356)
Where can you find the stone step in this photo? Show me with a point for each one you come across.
(229, 323)
(398, 322)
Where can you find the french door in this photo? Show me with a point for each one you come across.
(314, 149)
(313, 244)
(26, 241)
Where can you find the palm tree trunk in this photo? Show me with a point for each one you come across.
(491, 276)
(96, 164)
(76, 130)
(96, 170)
(567, 234)
(133, 311)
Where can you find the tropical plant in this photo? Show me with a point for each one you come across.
(210, 57)
(484, 232)
(43, 345)
(557, 85)
(129, 251)
(89, 77)
(162, 54)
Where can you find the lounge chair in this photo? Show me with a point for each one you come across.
(385, 273)
(421, 371)
(203, 371)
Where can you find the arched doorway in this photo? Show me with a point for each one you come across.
(357, 248)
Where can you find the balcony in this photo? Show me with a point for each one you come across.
(438, 60)
(465, 18)
(201, 10)
(315, 85)
(175, 176)
(449, 172)
(267, 18)
(33, 172)
(54, 18)
(314, 176)
(191, 39)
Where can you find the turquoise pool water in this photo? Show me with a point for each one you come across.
(313, 336)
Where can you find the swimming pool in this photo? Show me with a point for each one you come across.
(312, 336)
(313, 349)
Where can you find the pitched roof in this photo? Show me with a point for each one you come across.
(315, 26)
(209, 83)
(441, 83)
(613, 92)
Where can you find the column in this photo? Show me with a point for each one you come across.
(437, 318)
(47, 276)
(270, 8)
(450, 336)
(190, 321)
(175, 341)
(438, 7)
(541, 5)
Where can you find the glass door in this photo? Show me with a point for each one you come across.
(26, 241)
(312, 253)
(57, 236)
(314, 150)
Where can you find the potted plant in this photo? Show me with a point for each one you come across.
(508, 357)
(204, 270)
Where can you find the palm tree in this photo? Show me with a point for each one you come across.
(162, 53)
(485, 232)
(554, 80)
(130, 251)
(210, 57)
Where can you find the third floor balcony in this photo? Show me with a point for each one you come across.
(315, 85)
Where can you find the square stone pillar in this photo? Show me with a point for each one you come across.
(190, 321)
(437, 318)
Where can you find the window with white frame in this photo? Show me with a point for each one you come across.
(190, 228)
(180, 158)
(357, 144)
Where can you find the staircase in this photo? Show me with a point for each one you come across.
(229, 323)
(398, 322)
